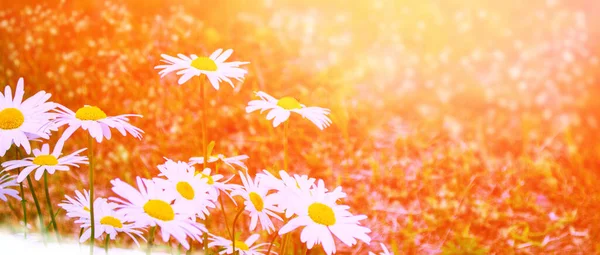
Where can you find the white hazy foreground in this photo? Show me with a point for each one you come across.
(15, 244)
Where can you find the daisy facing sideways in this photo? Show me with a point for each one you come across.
(77, 207)
(108, 221)
(280, 110)
(6, 182)
(214, 67)
(43, 160)
(216, 185)
(22, 119)
(152, 206)
(244, 248)
(231, 161)
(190, 191)
(95, 121)
(257, 202)
(322, 219)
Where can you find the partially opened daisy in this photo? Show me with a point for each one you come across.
(191, 191)
(110, 221)
(20, 119)
(288, 189)
(152, 206)
(280, 110)
(214, 67)
(384, 251)
(217, 186)
(231, 161)
(322, 219)
(6, 183)
(244, 248)
(258, 203)
(95, 121)
(43, 160)
(77, 207)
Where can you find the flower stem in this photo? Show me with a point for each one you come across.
(221, 202)
(37, 206)
(285, 145)
(285, 241)
(18, 156)
(150, 240)
(275, 235)
(106, 244)
(204, 113)
(91, 187)
(50, 207)
(233, 228)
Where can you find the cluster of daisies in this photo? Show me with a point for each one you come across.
(180, 201)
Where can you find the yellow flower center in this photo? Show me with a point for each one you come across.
(85, 208)
(90, 113)
(257, 201)
(11, 118)
(159, 209)
(321, 213)
(241, 246)
(111, 221)
(45, 160)
(210, 179)
(288, 103)
(204, 64)
(185, 190)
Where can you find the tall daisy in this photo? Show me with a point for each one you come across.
(230, 161)
(152, 206)
(191, 191)
(77, 207)
(44, 161)
(243, 248)
(288, 189)
(322, 218)
(280, 110)
(22, 119)
(214, 67)
(109, 221)
(6, 183)
(258, 203)
(384, 251)
(95, 121)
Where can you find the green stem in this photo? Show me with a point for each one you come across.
(106, 244)
(18, 156)
(222, 205)
(50, 207)
(204, 113)
(91, 187)
(285, 145)
(285, 241)
(275, 235)
(233, 228)
(37, 206)
(150, 240)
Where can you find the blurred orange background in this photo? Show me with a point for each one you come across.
(458, 126)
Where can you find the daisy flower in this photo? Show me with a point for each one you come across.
(95, 121)
(43, 160)
(216, 185)
(288, 188)
(6, 182)
(385, 251)
(231, 161)
(151, 206)
(257, 202)
(190, 191)
(214, 67)
(280, 110)
(22, 119)
(322, 219)
(108, 221)
(77, 207)
(243, 248)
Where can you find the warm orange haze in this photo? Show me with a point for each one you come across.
(457, 127)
